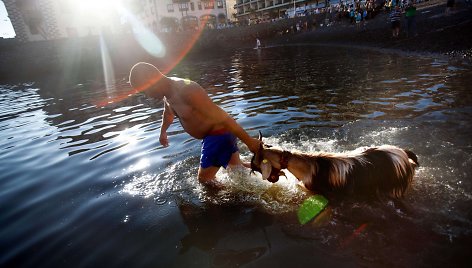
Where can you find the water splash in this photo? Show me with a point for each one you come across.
(180, 180)
(286, 195)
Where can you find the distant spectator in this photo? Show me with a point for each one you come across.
(358, 20)
(449, 6)
(410, 13)
(314, 23)
(395, 18)
(352, 15)
(388, 5)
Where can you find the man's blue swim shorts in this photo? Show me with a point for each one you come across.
(217, 149)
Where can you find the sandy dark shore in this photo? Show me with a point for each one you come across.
(446, 36)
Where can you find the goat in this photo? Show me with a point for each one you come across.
(385, 169)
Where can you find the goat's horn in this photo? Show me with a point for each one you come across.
(260, 135)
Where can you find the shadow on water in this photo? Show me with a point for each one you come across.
(85, 185)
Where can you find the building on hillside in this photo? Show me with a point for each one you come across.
(251, 10)
(175, 15)
(148, 12)
(36, 20)
(231, 10)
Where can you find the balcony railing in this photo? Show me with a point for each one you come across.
(248, 6)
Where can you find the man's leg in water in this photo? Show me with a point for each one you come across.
(235, 161)
(207, 175)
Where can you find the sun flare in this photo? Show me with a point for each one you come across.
(97, 6)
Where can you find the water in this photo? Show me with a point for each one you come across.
(88, 186)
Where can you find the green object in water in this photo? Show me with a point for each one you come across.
(311, 207)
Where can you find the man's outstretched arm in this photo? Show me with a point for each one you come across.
(167, 119)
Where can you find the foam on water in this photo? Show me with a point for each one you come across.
(179, 179)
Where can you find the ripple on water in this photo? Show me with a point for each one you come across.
(64, 159)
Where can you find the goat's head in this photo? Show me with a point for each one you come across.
(263, 165)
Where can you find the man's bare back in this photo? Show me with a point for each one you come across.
(187, 102)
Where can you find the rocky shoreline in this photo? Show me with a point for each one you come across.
(437, 34)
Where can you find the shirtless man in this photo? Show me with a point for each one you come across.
(199, 116)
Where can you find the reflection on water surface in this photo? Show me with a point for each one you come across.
(83, 185)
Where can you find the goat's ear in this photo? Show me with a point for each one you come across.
(266, 169)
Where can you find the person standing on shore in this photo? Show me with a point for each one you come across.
(352, 14)
(358, 19)
(410, 13)
(199, 116)
(449, 5)
(395, 18)
(388, 5)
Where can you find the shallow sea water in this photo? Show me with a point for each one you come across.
(87, 186)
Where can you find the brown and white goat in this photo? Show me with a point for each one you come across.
(385, 170)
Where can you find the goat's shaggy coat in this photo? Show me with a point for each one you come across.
(386, 169)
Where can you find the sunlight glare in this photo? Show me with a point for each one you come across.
(127, 138)
(141, 165)
(145, 37)
(98, 6)
(108, 72)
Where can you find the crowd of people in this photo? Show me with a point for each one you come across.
(334, 13)
(359, 12)
(359, 16)
(353, 12)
